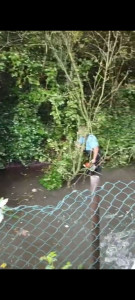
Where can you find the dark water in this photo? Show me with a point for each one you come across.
(21, 185)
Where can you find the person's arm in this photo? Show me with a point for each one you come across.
(95, 153)
(94, 146)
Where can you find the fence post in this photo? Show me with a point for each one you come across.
(95, 232)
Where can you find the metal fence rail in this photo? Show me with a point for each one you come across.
(81, 231)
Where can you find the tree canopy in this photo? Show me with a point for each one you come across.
(51, 82)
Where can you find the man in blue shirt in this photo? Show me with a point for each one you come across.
(91, 146)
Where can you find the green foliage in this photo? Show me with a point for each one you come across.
(117, 127)
(85, 66)
(27, 128)
(52, 180)
(22, 133)
(3, 266)
(51, 258)
(41, 105)
(65, 167)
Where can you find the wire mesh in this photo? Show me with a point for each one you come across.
(78, 231)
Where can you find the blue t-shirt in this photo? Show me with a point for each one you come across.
(91, 142)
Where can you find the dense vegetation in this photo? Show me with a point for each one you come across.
(51, 83)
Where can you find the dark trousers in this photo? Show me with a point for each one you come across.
(89, 156)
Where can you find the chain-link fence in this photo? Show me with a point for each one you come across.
(92, 230)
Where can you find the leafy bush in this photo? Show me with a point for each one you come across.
(52, 180)
(51, 259)
(22, 134)
(40, 107)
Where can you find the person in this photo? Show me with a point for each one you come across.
(92, 151)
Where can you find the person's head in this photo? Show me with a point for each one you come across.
(83, 131)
